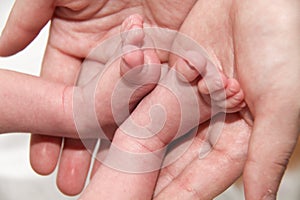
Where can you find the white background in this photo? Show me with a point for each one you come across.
(19, 181)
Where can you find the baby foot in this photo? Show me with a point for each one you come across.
(173, 108)
(128, 79)
(213, 85)
(138, 67)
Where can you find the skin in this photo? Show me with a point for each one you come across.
(66, 47)
(258, 94)
(187, 178)
(31, 111)
(55, 106)
(54, 103)
(245, 26)
(51, 101)
(60, 95)
(271, 158)
(141, 185)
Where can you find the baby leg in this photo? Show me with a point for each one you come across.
(120, 86)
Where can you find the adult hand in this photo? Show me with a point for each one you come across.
(253, 33)
(189, 177)
(268, 49)
(228, 57)
(259, 43)
(76, 27)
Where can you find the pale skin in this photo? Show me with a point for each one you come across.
(141, 186)
(245, 54)
(252, 36)
(31, 113)
(62, 61)
(33, 118)
(33, 108)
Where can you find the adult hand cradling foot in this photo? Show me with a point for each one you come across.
(246, 42)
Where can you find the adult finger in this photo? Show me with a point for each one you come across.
(74, 165)
(273, 97)
(272, 143)
(45, 151)
(26, 20)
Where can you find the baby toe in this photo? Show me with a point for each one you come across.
(185, 72)
(237, 108)
(131, 22)
(232, 102)
(132, 30)
(210, 84)
(132, 59)
(197, 61)
(232, 88)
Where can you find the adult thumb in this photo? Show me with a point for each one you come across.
(25, 21)
(272, 142)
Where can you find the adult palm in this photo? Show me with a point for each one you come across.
(257, 42)
(76, 27)
(244, 37)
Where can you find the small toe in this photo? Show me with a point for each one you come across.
(132, 30)
(191, 67)
(132, 59)
(232, 88)
(212, 84)
(197, 61)
(238, 108)
(185, 72)
(232, 102)
(219, 95)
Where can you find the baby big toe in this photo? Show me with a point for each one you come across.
(132, 38)
(185, 72)
(132, 30)
(133, 59)
(193, 66)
